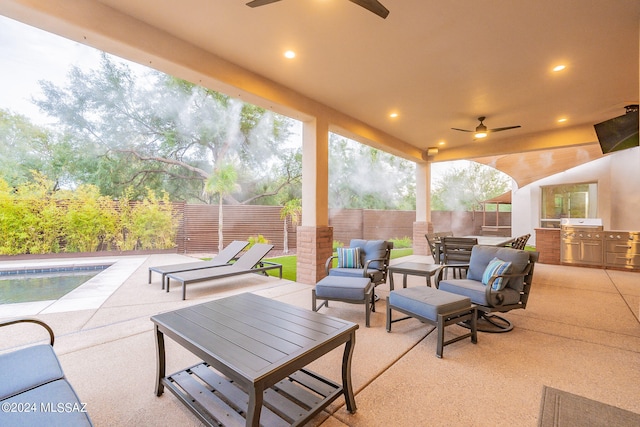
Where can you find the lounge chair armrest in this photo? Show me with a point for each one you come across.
(439, 274)
(369, 261)
(327, 265)
(489, 291)
(30, 320)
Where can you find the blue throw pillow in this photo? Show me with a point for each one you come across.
(349, 258)
(496, 267)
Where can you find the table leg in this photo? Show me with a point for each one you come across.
(160, 361)
(255, 406)
(404, 280)
(346, 374)
(390, 280)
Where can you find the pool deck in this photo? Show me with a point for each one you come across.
(580, 333)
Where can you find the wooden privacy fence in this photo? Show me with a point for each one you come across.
(198, 231)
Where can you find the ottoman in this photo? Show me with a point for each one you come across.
(354, 290)
(436, 307)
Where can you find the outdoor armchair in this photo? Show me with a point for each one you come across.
(492, 284)
(363, 258)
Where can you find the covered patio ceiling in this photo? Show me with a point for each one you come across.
(437, 65)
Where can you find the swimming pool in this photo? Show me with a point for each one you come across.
(43, 284)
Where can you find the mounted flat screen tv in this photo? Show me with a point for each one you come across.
(618, 133)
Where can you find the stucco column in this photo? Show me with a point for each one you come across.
(423, 223)
(314, 236)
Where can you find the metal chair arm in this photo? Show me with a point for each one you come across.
(31, 320)
(489, 291)
(327, 265)
(439, 274)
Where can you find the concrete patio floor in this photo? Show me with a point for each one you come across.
(580, 333)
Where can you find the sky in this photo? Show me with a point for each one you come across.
(28, 55)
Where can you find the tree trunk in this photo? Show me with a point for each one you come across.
(286, 237)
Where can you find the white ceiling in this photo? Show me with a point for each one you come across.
(439, 64)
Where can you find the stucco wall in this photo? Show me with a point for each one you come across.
(618, 178)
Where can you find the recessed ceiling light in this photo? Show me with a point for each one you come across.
(290, 54)
(441, 143)
(393, 115)
(559, 67)
(562, 120)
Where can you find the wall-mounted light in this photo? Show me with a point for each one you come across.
(429, 153)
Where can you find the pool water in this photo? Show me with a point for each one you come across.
(42, 286)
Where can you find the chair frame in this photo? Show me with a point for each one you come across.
(457, 251)
(496, 323)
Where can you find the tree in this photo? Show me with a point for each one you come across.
(145, 129)
(291, 209)
(223, 182)
(462, 189)
(364, 177)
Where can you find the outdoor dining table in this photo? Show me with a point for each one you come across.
(482, 240)
(254, 353)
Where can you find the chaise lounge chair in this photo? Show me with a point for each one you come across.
(250, 262)
(223, 258)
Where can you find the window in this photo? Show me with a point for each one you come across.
(568, 201)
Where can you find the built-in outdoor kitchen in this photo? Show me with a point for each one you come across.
(584, 242)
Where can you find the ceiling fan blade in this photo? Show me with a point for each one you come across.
(505, 128)
(462, 130)
(256, 3)
(373, 6)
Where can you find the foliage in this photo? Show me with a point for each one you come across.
(337, 244)
(364, 177)
(35, 219)
(404, 242)
(462, 189)
(292, 209)
(398, 253)
(223, 182)
(144, 129)
(256, 239)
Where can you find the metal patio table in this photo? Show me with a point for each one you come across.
(412, 269)
(254, 353)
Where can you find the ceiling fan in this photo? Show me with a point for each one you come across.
(482, 131)
(372, 5)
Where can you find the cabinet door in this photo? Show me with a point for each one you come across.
(592, 252)
(570, 252)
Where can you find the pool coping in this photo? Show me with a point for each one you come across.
(90, 295)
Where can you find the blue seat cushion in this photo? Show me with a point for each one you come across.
(28, 368)
(57, 405)
(427, 302)
(476, 291)
(348, 288)
(375, 275)
(481, 256)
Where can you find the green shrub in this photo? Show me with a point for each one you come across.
(404, 242)
(256, 239)
(337, 244)
(36, 219)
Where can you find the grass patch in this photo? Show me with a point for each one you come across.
(289, 265)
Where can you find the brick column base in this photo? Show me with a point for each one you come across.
(314, 247)
(420, 246)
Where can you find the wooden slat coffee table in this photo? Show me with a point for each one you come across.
(254, 353)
